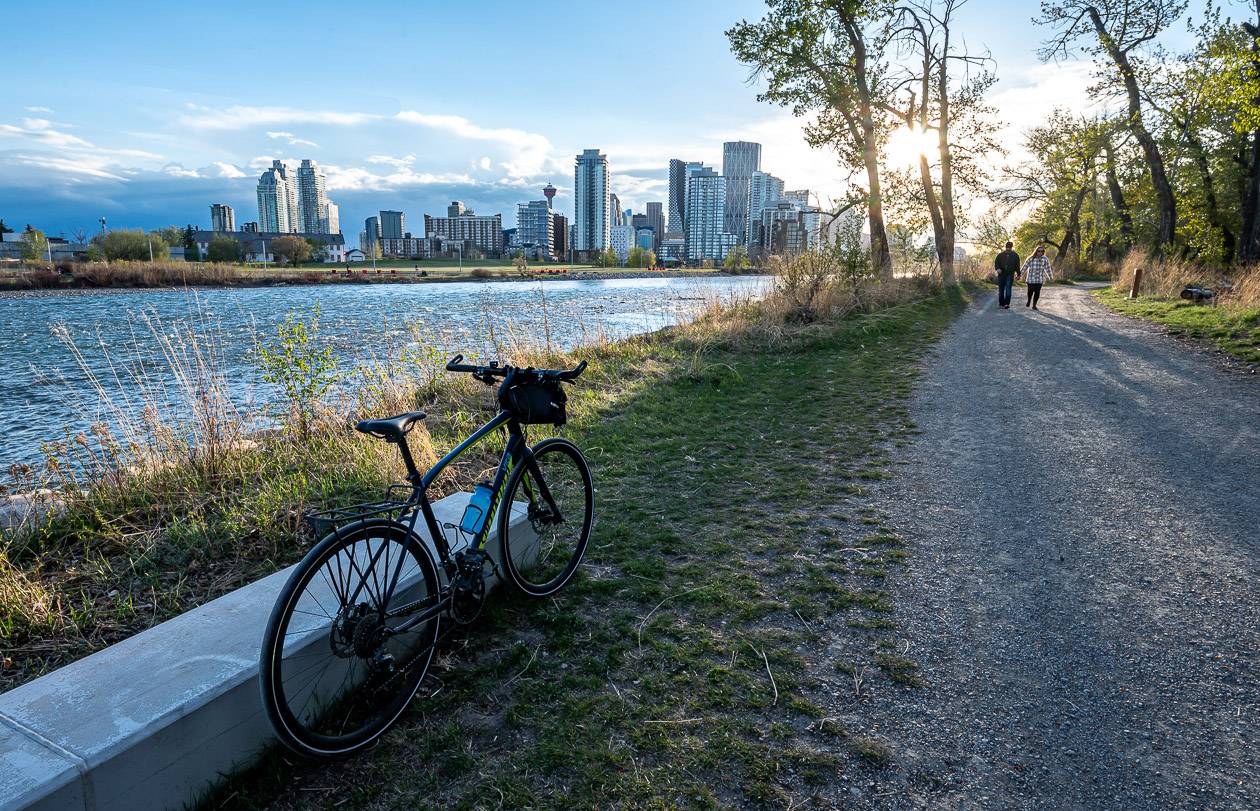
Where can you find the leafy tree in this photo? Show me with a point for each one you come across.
(640, 257)
(827, 60)
(135, 246)
(223, 249)
(1119, 29)
(737, 259)
(293, 250)
(319, 251)
(522, 266)
(34, 244)
(172, 235)
(4, 229)
(606, 258)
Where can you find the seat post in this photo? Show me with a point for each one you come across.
(413, 475)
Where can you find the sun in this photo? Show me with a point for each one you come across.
(905, 146)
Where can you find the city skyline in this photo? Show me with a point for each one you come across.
(148, 140)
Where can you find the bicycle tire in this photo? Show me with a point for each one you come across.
(578, 493)
(347, 637)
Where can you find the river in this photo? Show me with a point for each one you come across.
(52, 346)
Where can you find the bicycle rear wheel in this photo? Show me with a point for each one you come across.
(336, 671)
(557, 493)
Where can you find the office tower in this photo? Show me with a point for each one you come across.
(277, 201)
(549, 194)
(656, 221)
(798, 196)
(222, 218)
(614, 207)
(485, 233)
(250, 227)
(677, 192)
(788, 228)
(331, 220)
(764, 189)
(372, 235)
(645, 238)
(706, 216)
(621, 240)
(560, 234)
(637, 221)
(591, 215)
(535, 228)
(739, 160)
(456, 209)
(392, 225)
(312, 200)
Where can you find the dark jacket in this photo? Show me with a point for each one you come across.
(1007, 262)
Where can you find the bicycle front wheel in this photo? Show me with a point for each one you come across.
(350, 639)
(556, 493)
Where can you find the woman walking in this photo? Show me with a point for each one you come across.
(1036, 272)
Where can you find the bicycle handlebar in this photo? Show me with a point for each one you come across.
(487, 373)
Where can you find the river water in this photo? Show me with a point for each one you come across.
(52, 347)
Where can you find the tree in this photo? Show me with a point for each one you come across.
(134, 246)
(223, 249)
(293, 250)
(606, 258)
(817, 58)
(641, 258)
(34, 244)
(1118, 29)
(737, 259)
(4, 229)
(172, 235)
(319, 251)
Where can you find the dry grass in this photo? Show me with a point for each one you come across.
(1166, 278)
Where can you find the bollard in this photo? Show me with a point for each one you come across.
(1137, 284)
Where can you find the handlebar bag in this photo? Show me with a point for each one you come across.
(538, 403)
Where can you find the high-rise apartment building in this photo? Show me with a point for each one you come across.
(614, 207)
(677, 193)
(371, 237)
(764, 189)
(621, 240)
(331, 220)
(277, 201)
(798, 196)
(456, 209)
(393, 225)
(312, 198)
(739, 160)
(706, 234)
(560, 228)
(222, 218)
(592, 217)
(656, 221)
(535, 228)
(484, 233)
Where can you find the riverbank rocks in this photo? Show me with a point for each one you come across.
(24, 509)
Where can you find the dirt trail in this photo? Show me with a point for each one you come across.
(1083, 510)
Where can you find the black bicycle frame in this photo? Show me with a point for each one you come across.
(516, 452)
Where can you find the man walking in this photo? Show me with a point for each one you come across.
(1007, 265)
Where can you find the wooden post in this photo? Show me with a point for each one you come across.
(1137, 283)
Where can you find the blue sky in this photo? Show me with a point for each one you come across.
(145, 113)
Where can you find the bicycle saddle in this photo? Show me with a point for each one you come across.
(390, 429)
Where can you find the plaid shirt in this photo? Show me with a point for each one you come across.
(1036, 270)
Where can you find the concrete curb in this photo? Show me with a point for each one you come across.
(157, 719)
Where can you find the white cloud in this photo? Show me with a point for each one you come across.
(38, 109)
(397, 163)
(40, 130)
(86, 166)
(291, 138)
(342, 178)
(227, 169)
(177, 170)
(529, 153)
(241, 117)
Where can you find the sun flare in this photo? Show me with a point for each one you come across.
(906, 145)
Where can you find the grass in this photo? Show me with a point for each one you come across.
(732, 611)
(1235, 330)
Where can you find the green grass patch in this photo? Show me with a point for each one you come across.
(1236, 331)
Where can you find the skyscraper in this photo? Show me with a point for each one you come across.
(656, 221)
(592, 218)
(707, 236)
(456, 209)
(393, 224)
(371, 234)
(277, 201)
(311, 198)
(677, 193)
(739, 160)
(614, 210)
(331, 219)
(535, 228)
(222, 218)
(764, 189)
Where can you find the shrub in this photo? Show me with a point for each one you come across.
(481, 273)
(133, 246)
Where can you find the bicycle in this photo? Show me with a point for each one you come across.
(353, 631)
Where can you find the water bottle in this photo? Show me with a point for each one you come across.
(475, 513)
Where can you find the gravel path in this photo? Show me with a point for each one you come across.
(1083, 510)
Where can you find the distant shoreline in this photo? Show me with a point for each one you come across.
(8, 291)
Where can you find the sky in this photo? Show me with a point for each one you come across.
(145, 113)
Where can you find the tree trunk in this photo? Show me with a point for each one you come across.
(1167, 203)
(945, 246)
(881, 256)
(1211, 209)
(1071, 242)
(1117, 198)
(1249, 250)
